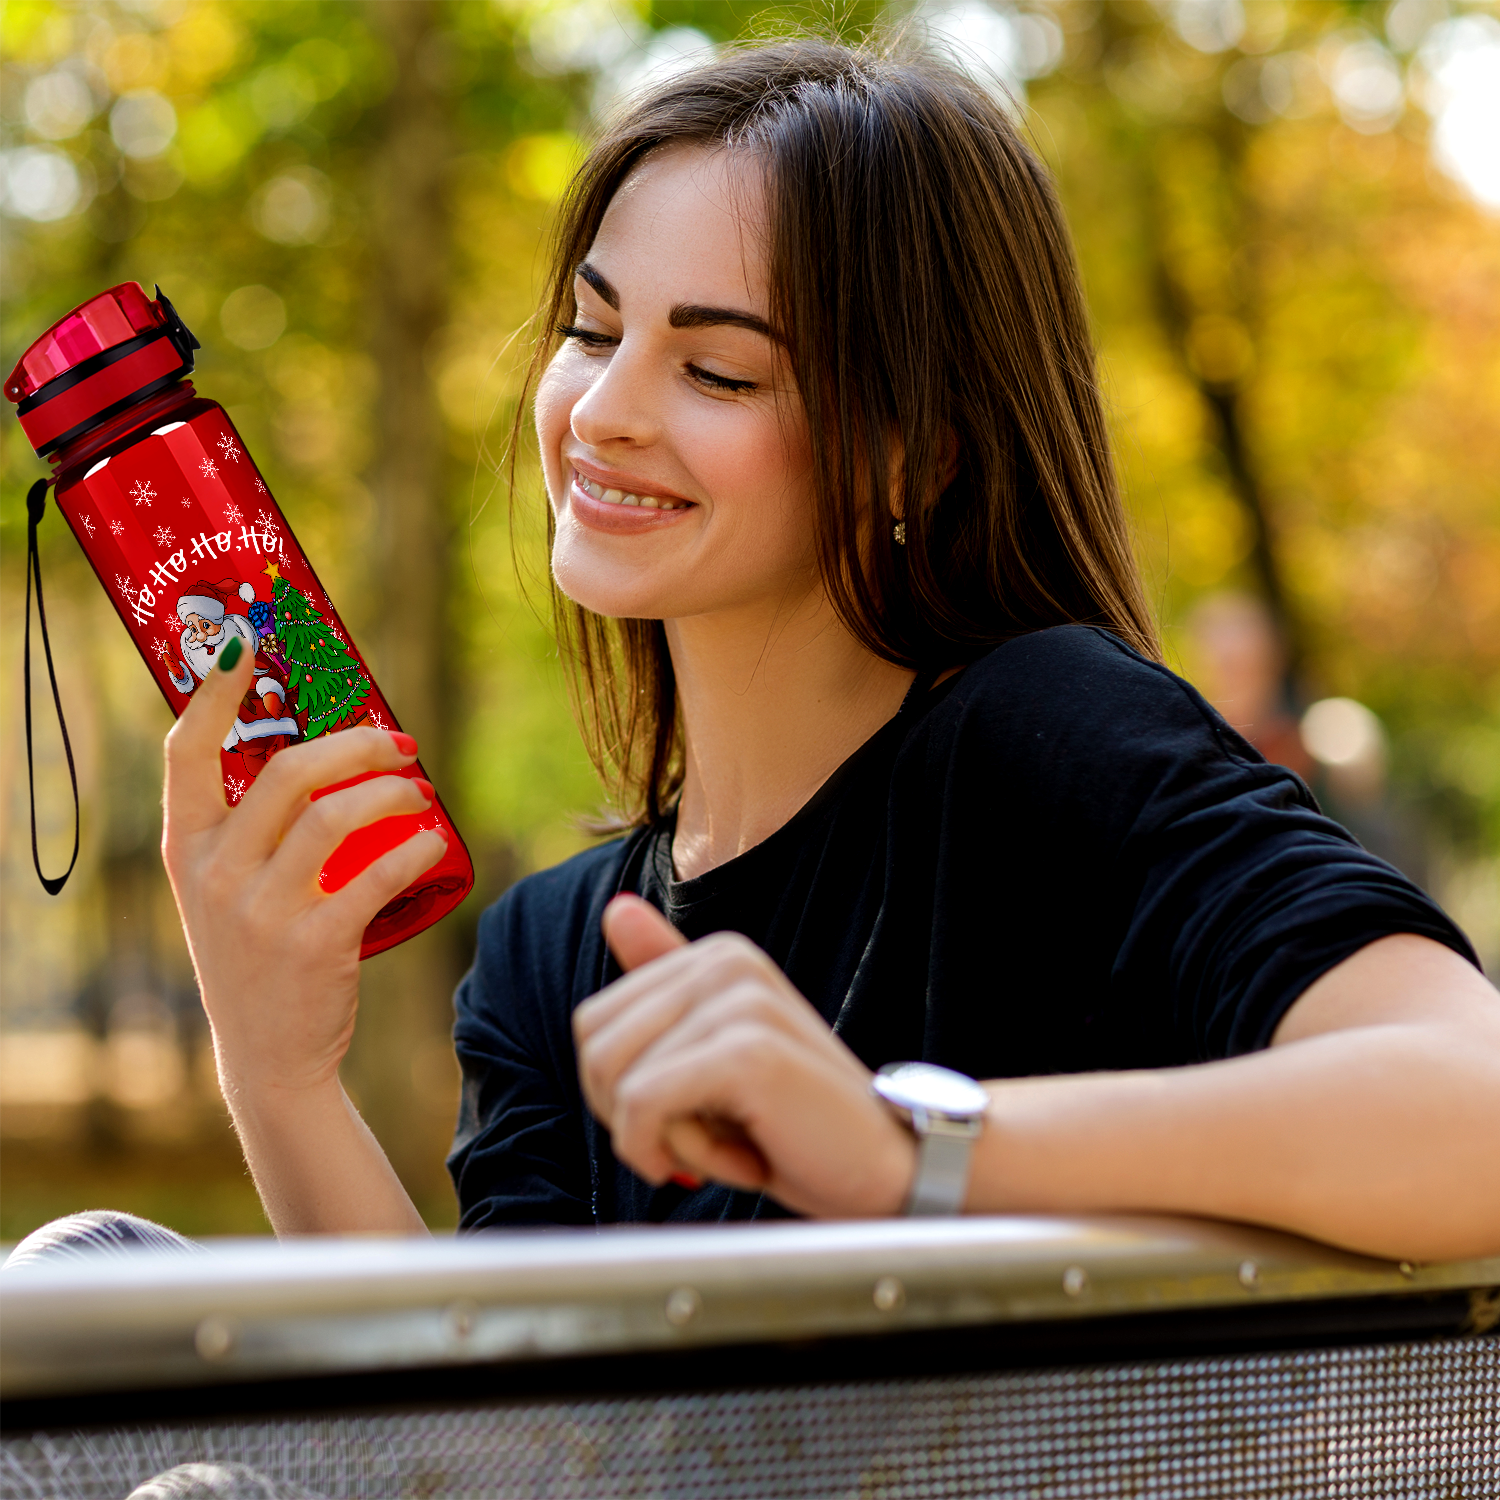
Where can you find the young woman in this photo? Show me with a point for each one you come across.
(846, 580)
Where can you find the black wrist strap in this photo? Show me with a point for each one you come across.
(36, 503)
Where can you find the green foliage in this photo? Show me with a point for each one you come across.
(330, 683)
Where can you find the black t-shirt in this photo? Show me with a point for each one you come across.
(1060, 860)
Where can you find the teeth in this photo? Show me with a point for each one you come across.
(597, 491)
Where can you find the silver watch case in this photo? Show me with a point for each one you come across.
(946, 1111)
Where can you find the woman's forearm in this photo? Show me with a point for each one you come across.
(316, 1166)
(1384, 1139)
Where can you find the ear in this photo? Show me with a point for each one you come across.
(950, 453)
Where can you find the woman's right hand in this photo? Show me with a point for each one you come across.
(277, 958)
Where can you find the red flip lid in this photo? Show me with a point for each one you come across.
(102, 322)
(118, 348)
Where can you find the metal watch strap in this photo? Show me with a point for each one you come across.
(944, 1149)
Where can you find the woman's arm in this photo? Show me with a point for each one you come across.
(1373, 1121)
(277, 959)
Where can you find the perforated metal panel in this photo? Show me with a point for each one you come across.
(1379, 1422)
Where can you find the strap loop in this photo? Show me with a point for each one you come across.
(36, 504)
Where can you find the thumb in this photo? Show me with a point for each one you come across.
(636, 932)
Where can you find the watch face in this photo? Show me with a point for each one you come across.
(928, 1087)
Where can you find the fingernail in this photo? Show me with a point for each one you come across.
(230, 654)
(425, 787)
(686, 1180)
(404, 742)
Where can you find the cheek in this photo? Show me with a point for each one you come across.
(765, 467)
(557, 392)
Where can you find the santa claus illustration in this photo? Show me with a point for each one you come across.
(263, 726)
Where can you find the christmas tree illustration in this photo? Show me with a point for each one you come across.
(330, 684)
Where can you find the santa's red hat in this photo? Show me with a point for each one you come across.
(210, 600)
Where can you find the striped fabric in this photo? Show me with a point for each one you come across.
(100, 1231)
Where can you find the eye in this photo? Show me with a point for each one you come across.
(719, 382)
(590, 338)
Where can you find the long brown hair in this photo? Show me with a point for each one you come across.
(923, 279)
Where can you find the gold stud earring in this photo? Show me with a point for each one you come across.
(899, 532)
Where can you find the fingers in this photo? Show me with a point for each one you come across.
(321, 826)
(599, 1010)
(636, 932)
(733, 1076)
(291, 776)
(757, 1108)
(712, 1150)
(351, 909)
(641, 1009)
(195, 779)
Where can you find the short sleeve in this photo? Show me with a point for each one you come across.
(1122, 880)
(1244, 893)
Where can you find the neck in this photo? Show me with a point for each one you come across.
(771, 707)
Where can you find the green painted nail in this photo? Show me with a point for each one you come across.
(230, 654)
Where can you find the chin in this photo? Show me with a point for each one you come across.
(596, 586)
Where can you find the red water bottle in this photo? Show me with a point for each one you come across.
(194, 552)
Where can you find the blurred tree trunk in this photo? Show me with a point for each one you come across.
(1216, 367)
(405, 1004)
(1197, 214)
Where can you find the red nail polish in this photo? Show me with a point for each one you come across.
(404, 742)
(685, 1180)
(424, 786)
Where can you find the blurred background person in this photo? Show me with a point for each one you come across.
(1238, 658)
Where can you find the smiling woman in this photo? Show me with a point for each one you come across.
(845, 579)
(727, 228)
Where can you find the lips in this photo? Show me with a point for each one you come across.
(612, 508)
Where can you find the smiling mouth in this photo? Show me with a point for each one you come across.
(596, 491)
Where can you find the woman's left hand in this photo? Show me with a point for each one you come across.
(704, 1063)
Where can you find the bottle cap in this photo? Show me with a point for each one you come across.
(104, 356)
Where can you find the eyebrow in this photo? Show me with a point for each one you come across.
(684, 314)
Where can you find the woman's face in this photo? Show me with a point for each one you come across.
(673, 439)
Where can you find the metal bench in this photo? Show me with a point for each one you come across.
(1076, 1358)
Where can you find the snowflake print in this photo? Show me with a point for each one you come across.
(161, 650)
(88, 524)
(125, 586)
(164, 536)
(117, 527)
(260, 484)
(209, 469)
(186, 503)
(267, 523)
(235, 787)
(142, 493)
(229, 448)
(377, 720)
(233, 514)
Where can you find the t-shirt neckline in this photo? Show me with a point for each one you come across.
(680, 895)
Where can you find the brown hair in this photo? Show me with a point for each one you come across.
(923, 279)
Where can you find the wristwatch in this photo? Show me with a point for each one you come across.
(945, 1111)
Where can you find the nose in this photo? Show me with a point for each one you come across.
(620, 405)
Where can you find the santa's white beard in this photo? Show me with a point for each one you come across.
(203, 656)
